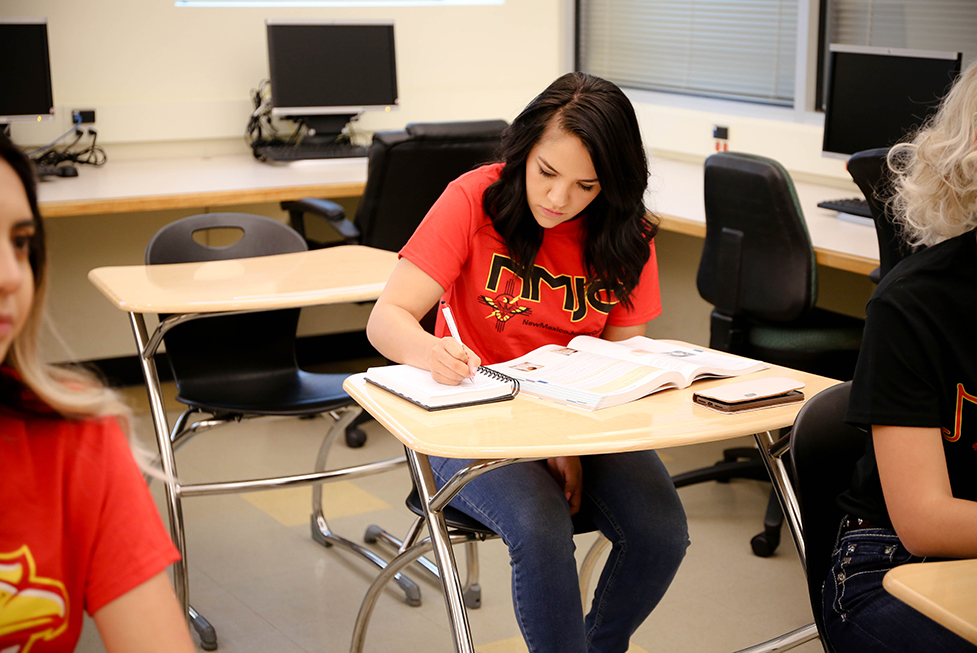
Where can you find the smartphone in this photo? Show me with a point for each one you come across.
(751, 395)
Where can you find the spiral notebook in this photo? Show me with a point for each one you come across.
(416, 386)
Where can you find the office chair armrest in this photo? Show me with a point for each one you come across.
(334, 214)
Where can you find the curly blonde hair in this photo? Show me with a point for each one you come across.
(935, 174)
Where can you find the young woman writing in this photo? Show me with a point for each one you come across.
(78, 528)
(914, 494)
(550, 243)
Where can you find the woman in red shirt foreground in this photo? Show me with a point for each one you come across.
(78, 528)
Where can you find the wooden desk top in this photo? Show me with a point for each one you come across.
(198, 182)
(675, 191)
(946, 592)
(527, 427)
(333, 275)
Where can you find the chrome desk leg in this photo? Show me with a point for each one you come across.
(147, 350)
(167, 460)
(771, 453)
(785, 642)
(424, 478)
(324, 535)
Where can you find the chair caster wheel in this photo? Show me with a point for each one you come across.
(370, 537)
(208, 636)
(473, 597)
(355, 438)
(763, 545)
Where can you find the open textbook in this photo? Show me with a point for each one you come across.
(592, 373)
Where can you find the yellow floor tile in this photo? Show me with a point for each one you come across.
(292, 506)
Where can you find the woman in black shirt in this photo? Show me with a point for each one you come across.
(913, 496)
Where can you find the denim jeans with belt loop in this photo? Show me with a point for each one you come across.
(862, 617)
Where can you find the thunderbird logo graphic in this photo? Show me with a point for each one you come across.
(31, 608)
(504, 306)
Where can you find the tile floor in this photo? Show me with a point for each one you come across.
(267, 587)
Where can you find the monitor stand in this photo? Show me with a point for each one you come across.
(326, 128)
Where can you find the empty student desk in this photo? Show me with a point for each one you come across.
(187, 291)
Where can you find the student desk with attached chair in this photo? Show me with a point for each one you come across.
(495, 434)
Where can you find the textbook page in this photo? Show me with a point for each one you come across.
(594, 373)
(691, 362)
(586, 379)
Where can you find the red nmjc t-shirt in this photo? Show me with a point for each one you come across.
(498, 316)
(78, 527)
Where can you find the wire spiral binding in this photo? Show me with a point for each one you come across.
(499, 376)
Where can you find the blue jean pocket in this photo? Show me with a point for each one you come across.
(859, 562)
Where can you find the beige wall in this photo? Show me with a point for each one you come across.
(155, 72)
(168, 81)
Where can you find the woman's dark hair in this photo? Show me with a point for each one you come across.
(25, 170)
(619, 229)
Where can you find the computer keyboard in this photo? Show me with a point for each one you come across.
(851, 206)
(305, 150)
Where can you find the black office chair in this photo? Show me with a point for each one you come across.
(408, 171)
(871, 173)
(758, 270)
(242, 365)
(823, 453)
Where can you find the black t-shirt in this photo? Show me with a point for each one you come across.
(918, 366)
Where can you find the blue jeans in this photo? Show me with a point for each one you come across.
(860, 616)
(629, 497)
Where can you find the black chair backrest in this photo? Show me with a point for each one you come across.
(823, 453)
(207, 356)
(758, 260)
(409, 170)
(871, 173)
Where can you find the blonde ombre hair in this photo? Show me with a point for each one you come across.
(935, 174)
(72, 392)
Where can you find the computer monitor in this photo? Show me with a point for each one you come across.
(25, 71)
(876, 96)
(323, 74)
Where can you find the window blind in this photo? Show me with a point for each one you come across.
(949, 25)
(734, 49)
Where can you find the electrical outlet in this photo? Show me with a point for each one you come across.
(83, 116)
(720, 135)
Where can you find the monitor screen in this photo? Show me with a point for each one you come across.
(25, 71)
(877, 96)
(331, 67)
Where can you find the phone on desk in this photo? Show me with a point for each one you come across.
(751, 395)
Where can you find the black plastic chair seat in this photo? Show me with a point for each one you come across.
(819, 331)
(301, 393)
(453, 517)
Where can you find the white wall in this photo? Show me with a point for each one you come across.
(155, 72)
(168, 81)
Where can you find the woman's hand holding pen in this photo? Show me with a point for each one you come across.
(450, 359)
(451, 362)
